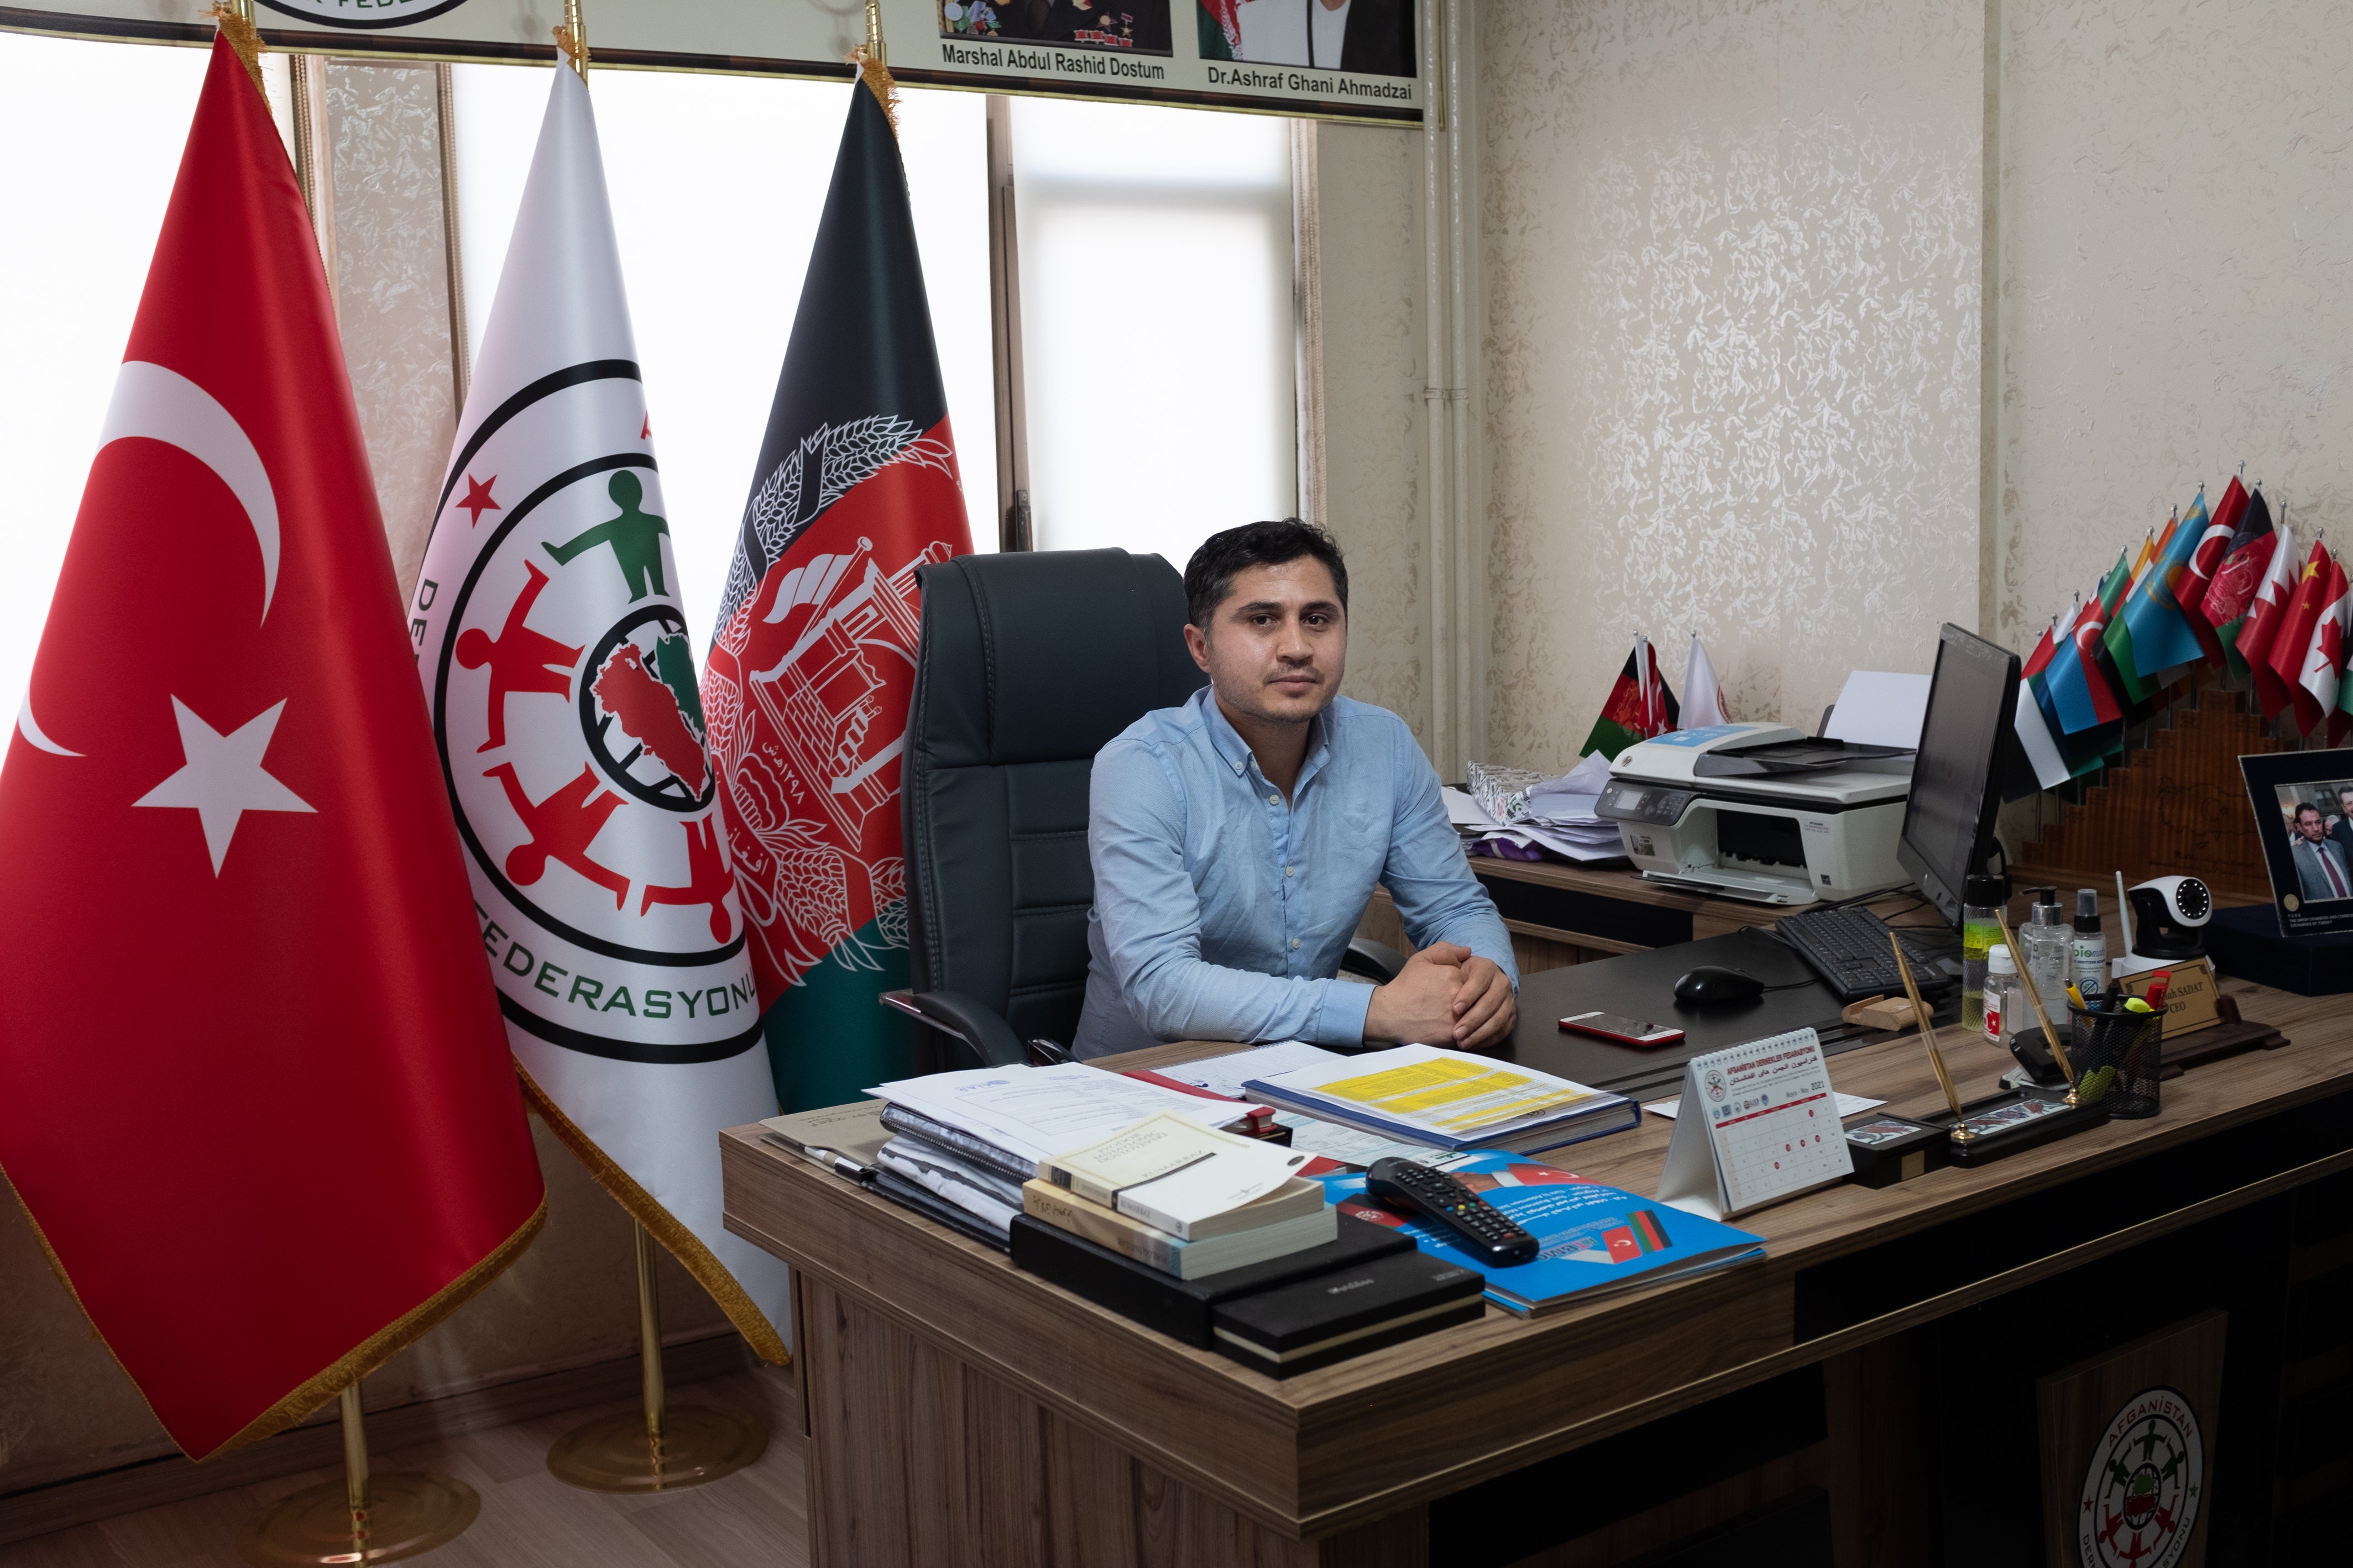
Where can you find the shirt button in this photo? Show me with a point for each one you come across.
(1286, 870)
(1294, 941)
(1274, 800)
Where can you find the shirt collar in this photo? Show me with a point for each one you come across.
(1235, 753)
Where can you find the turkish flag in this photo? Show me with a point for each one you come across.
(254, 1085)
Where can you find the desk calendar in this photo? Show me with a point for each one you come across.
(1767, 1127)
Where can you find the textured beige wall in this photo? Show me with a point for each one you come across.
(392, 287)
(1368, 205)
(2177, 248)
(1732, 268)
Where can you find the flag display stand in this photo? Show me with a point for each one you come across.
(362, 1519)
(661, 1447)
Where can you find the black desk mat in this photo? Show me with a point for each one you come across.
(1642, 985)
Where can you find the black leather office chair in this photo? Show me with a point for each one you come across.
(1028, 663)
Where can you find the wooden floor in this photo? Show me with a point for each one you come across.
(529, 1518)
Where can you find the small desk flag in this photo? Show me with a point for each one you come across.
(254, 1093)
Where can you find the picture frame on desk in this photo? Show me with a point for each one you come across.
(2303, 803)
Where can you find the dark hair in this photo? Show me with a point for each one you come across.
(2302, 806)
(1209, 575)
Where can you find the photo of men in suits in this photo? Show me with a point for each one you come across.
(2340, 824)
(2324, 867)
(1372, 37)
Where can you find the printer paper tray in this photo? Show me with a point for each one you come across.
(1751, 887)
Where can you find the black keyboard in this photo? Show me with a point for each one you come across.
(1848, 948)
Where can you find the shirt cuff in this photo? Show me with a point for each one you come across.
(1339, 1017)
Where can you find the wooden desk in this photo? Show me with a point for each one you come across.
(961, 1411)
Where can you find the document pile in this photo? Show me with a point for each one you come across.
(1449, 1099)
(1182, 1198)
(1521, 816)
(962, 1143)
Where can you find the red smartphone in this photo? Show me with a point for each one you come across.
(1622, 1031)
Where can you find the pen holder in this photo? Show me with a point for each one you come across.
(2118, 1058)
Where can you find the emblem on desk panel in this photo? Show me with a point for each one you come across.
(344, 13)
(2147, 1479)
(570, 722)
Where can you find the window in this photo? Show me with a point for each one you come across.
(1157, 340)
(87, 210)
(717, 184)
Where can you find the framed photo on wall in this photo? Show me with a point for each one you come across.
(2303, 803)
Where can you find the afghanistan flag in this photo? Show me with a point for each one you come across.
(812, 665)
(254, 1091)
(556, 665)
(1640, 705)
(2244, 564)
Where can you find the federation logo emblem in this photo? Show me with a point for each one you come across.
(2147, 1477)
(1715, 1083)
(572, 735)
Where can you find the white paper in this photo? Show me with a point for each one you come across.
(1346, 1144)
(1878, 708)
(1035, 1112)
(1464, 812)
(1224, 1075)
(1212, 1186)
(1495, 1100)
(1847, 1105)
(1770, 1131)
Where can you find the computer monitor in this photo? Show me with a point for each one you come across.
(1947, 830)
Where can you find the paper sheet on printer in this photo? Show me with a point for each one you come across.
(1880, 709)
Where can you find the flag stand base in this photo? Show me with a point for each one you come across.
(364, 1517)
(657, 1448)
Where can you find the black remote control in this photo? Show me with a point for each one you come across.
(1481, 1228)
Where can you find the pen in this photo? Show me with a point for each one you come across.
(2158, 988)
(2076, 996)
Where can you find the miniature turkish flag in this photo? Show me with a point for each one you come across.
(254, 1086)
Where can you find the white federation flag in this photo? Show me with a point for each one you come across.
(1703, 693)
(564, 700)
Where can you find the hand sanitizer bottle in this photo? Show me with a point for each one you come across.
(2004, 1002)
(2091, 945)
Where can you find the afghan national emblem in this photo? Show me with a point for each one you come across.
(2142, 1489)
(566, 702)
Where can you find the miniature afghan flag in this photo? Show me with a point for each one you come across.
(1640, 705)
(2242, 571)
(812, 665)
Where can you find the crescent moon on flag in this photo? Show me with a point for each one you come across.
(164, 406)
(30, 729)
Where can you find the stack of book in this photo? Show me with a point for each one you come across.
(962, 1143)
(1182, 1198)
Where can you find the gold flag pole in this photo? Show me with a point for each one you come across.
(362, 1519)
(1960, 1133)
(572, 38)
(2042, 1014)
(658, 1448)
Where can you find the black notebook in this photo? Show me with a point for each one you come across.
(1181, 1307)
(1314, 1322)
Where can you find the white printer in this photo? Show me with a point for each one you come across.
(1761, 812)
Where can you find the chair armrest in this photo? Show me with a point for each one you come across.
(1375, 960)
(986, 1036)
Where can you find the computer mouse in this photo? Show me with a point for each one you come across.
(1711, 983)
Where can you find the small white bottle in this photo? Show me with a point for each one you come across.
(2003, 1000)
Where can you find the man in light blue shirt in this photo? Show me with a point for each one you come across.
(1236, 839)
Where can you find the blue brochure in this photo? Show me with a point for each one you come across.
(1592, 1239)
